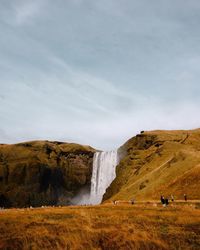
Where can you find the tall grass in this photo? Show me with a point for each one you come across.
(101, 227)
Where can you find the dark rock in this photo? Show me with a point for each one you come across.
(42, 172)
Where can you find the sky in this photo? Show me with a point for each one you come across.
(97, 72)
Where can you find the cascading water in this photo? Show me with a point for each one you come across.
(104, 164)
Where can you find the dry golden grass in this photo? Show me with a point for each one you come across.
(158, 163)
(122, 226)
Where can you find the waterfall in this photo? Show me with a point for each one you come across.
(103, 173)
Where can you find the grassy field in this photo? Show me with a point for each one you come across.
(108, 226)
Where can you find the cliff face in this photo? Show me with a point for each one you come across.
(52, 173)
(158, 163)
(43, 173)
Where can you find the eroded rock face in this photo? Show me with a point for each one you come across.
(43, 173)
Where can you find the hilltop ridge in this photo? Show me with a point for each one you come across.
(158, 162)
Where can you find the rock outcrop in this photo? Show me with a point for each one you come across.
(43, 173)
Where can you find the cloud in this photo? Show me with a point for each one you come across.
(97, 72)
(22, 12)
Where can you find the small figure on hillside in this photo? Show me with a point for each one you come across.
(172, 198)
(185, 197)
(162, 199)
(132, 201)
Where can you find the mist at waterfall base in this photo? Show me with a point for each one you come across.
(103, 173)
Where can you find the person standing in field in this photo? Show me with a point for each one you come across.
(172, 198)
(166, 201)
(185, 197)
(162, 199)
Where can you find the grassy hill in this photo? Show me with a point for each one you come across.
(152, 164)
(43, 173)
(158, 163)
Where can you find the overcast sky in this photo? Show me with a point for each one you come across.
(98, 71)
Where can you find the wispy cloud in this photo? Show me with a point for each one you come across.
(21, 12)
(97, 72)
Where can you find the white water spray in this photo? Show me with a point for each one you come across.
(103, 173)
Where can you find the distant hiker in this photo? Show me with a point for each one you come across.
(172, 198)
(132, 201)
(166, 201)
(185, 197)
(162, 199)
